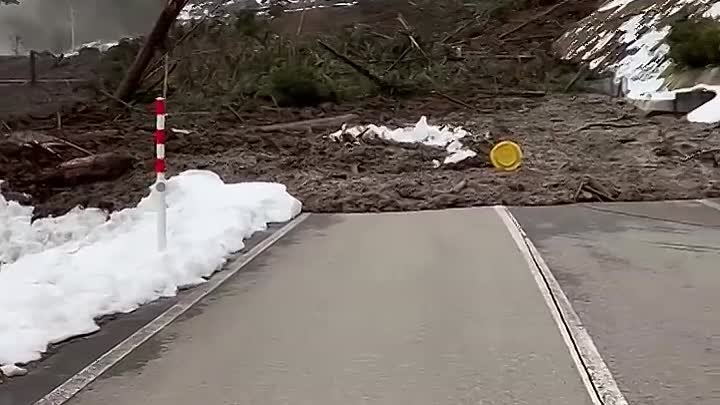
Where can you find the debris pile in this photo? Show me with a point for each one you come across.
(481, 73)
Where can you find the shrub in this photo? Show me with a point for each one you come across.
(297, 85)
(695, 43)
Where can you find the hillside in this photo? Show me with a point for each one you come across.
(237, 92)
(628, 38)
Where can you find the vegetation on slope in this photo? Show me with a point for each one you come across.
(695, 43)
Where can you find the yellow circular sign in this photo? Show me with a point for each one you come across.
(506, 155)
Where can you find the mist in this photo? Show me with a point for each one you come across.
(45, 24)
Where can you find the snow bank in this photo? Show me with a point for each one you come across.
(65, 272)
(627, 37)
(445, 137)
(20, 237)
(709, 112)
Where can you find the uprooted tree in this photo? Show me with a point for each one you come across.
(155, 40)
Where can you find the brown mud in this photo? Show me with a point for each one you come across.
(577, 147)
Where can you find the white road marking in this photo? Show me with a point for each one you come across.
(74, 384)
(595, 374)
(711, 204)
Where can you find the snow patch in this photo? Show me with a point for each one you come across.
(713, 11)
(102, 46)
(709, 112)
(19, 236)
(446, 137)
(201, 10)
(615, 5)
(63, 273)
(642, 33)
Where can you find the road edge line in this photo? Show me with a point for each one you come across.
(709, 204)
(593, 370)
(67, 390)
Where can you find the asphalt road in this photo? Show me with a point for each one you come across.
(434, 308)
(419, 308)
(645, 280)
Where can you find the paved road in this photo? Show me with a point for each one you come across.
(431, 308)
(645, 280)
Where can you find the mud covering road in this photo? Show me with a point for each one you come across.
(640, 158)
(578, 147)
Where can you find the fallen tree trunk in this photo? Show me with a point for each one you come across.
(157, 37)
(103, 166)
(316, 123)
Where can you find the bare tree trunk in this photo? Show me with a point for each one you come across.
(100, 167)
(157, 37)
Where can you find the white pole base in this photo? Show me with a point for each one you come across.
(160, 188)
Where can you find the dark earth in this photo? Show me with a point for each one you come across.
(577, 146)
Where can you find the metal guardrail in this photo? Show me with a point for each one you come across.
(33, 79)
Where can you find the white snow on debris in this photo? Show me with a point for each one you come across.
(713, 11)
(199, 10)
(102, 46)
(615, 4)
(78, 267)
(445, 137)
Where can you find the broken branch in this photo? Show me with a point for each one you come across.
(535, 18)
(319, 122)
(360, 69)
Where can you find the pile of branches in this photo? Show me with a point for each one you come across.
(239, 60)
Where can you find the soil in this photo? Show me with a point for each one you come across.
(577, 147)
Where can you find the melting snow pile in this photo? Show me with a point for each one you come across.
(627, 37)
(62, 273)
(445, 137)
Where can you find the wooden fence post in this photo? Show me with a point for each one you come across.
(33, 72)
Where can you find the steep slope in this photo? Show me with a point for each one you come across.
(626, 37)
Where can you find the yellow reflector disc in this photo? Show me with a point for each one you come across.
(506, 155)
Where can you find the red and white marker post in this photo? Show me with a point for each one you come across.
(160, 184)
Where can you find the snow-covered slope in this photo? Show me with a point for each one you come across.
(62, 273)
(627, 37)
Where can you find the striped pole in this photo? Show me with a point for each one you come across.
(160, 185)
